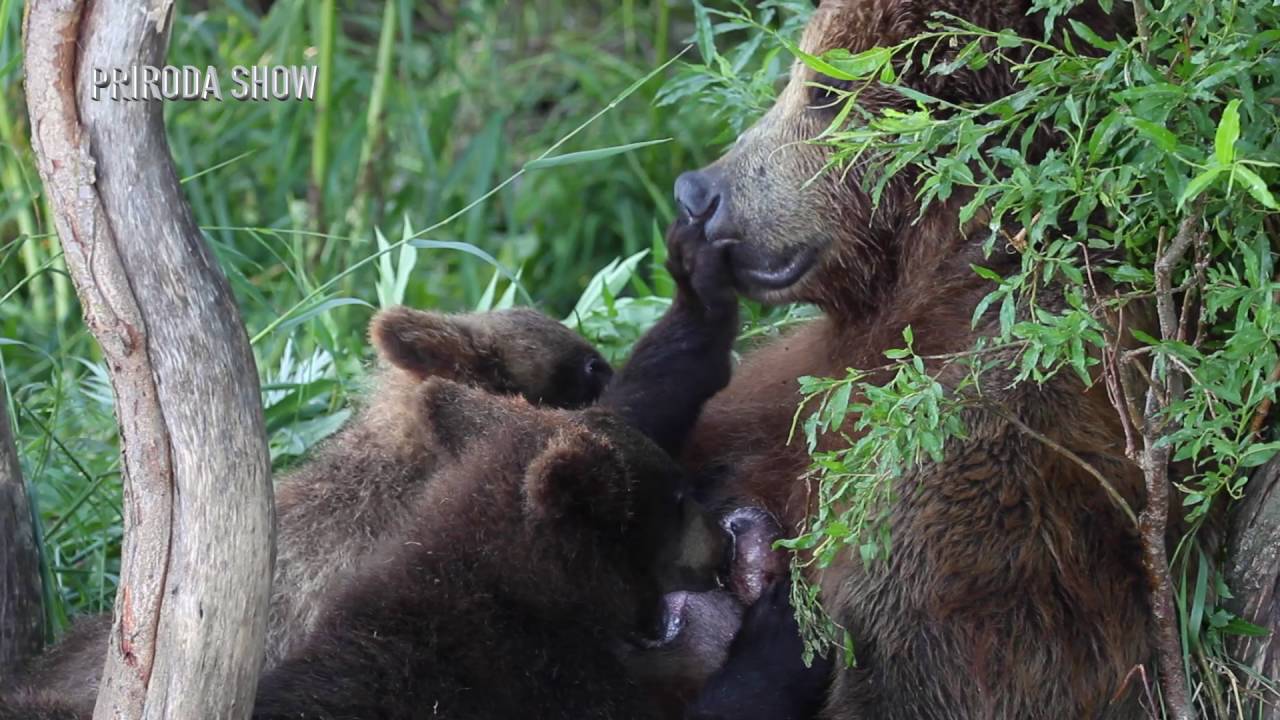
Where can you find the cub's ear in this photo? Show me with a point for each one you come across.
(579, 478)
(426, 344)
(456, 415)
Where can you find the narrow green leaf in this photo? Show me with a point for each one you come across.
(317, 310)
(485, 303)
(838, 406)
(702, 33)
(861, 65)
(1100, 139)
(1091, 37)
(1224, 141)
(1163, 139)
(1198, 184)
(817, 63)
(1256, 186)
(1240, 626)
(574, 158)
(1198, 599)
(987, 273)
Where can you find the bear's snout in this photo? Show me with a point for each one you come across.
(702, 197)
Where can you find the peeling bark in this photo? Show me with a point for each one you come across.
(190, 615)
(1253, 574)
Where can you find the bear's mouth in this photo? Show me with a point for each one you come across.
(755, 269)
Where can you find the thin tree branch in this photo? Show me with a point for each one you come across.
(1116, 498)
(1165, 386)
(1140, 18)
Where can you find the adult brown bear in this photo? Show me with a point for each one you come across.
(1014, 588)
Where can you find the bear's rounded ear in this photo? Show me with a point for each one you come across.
(579, 477)
(426, 344)
(455, 415)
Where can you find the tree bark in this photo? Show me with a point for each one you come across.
(21, 610)
(1253, 574)
(190, 614)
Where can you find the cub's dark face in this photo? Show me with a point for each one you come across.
(797, 228)
(604, 509)
(513, 352)
(674, 539)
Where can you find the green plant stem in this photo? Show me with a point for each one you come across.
(373, 122)
(324, 90)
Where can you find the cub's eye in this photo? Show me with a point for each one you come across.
(597, 367)
(598, 373)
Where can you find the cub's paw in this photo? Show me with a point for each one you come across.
(700, 268)
(765, 677)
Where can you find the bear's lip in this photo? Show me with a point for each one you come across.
(758, 270)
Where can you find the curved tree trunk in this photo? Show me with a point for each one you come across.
(190, 615)
(21, 616)
(1253, 573)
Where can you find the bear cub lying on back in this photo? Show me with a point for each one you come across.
(550, 535)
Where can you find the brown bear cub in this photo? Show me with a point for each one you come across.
(357, 487)
(546, 546)
(551, 537)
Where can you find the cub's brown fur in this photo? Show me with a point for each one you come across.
(549, 540)
(357, 487)
(1014, 588)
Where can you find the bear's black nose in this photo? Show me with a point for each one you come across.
(698, 196)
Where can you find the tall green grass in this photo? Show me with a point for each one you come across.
(321, 211)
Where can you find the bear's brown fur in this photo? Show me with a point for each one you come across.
(357, 487)
(1014, 588)
(545, 544)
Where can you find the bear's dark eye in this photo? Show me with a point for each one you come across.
(826, 93)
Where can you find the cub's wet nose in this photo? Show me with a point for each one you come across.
(698, 195)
